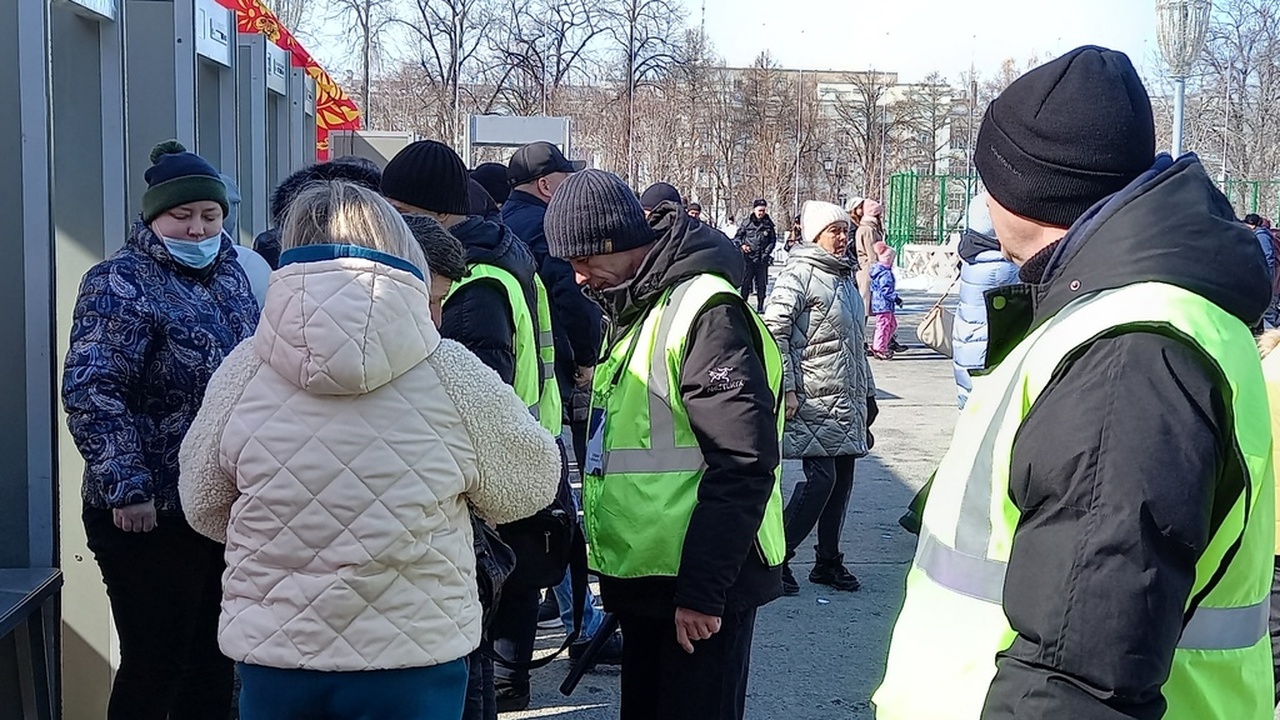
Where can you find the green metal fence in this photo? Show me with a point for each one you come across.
(927, 209)
(1254, 196)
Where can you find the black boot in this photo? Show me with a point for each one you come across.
(790, 587)
(832, 573)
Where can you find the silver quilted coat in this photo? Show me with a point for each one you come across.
(817, 318)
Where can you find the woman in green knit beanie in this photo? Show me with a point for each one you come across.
(151, 324)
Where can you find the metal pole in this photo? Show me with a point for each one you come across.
(1179, 101)
(799, 123)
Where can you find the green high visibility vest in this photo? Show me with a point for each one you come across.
(535, 380)
(638, 502)
(942, 658)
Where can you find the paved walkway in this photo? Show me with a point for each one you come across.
(819, 656)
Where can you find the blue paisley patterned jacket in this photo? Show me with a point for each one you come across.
(146, 336)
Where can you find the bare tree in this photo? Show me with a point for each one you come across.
(293, 14)
(369, 18)
(538, 46)
(641, 31)
(449, 35)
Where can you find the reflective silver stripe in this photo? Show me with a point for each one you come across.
(982, 578)
(978, 577)
(662, 455)
(973, 528)
(1226, 628)
(546, 339)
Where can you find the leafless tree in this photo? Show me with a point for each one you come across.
(448, 35)
(538, 46)
(641, 32)
(369, 18)
(294, 14)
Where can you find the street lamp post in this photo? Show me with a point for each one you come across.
(1181, 29)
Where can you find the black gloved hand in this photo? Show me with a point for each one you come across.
(873, 410)
(897, 301)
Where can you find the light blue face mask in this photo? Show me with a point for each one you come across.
(197, 255)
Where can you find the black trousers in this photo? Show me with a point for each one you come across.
(1275, 626)
(757, 276)
(661, 680)
(480, 703)
(165, 588)
(515, 632)
(820, 499)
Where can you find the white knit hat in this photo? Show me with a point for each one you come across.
(817, 215)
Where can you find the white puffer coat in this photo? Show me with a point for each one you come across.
(815, 314)
(336, 453)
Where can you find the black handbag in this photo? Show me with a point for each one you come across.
(494, 563)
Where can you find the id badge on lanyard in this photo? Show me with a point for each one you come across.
(595, 443)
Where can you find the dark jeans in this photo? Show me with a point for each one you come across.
(661, 680)
(165, 588)
(757, 275)
(515, 630)
(820, 499)
(420, 693)
(480, 703)
(1275, 626)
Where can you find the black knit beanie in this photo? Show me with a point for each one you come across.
(658, 193)
(177, 177)
(428, 175)
(1066, 135)
(493, 178)
(595, 213)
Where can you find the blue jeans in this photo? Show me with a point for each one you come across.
(591, 619)
(427, 693)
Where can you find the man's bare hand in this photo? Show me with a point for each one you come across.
(693, 626)
(582, 376)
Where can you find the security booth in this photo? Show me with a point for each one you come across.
(29, 578)
(302, 120)
(91, 221)
(512, 132)
(216, 120)
(278, 115)
(378, 146)
(251, 96)
(160, 66)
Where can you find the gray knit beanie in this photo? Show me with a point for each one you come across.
(594, 213)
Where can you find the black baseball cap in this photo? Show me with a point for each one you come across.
(536, 160)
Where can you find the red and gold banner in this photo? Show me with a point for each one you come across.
(334, 110)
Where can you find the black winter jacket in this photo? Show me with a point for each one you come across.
(735, 422)
(477, 314)
(760, 235)
(575, 319)
(1124, 465)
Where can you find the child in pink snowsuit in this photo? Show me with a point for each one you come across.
(884, 298)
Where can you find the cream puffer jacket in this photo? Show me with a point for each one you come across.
(336, 453)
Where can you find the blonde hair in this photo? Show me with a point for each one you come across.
(1268, 342)
(342, 213)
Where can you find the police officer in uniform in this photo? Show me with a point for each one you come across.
(683, 509)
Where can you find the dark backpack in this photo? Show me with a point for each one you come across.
(543, 542)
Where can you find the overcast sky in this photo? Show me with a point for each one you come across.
(915, 37)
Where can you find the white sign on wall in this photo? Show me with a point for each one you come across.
(101, 8)
(213, 32)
